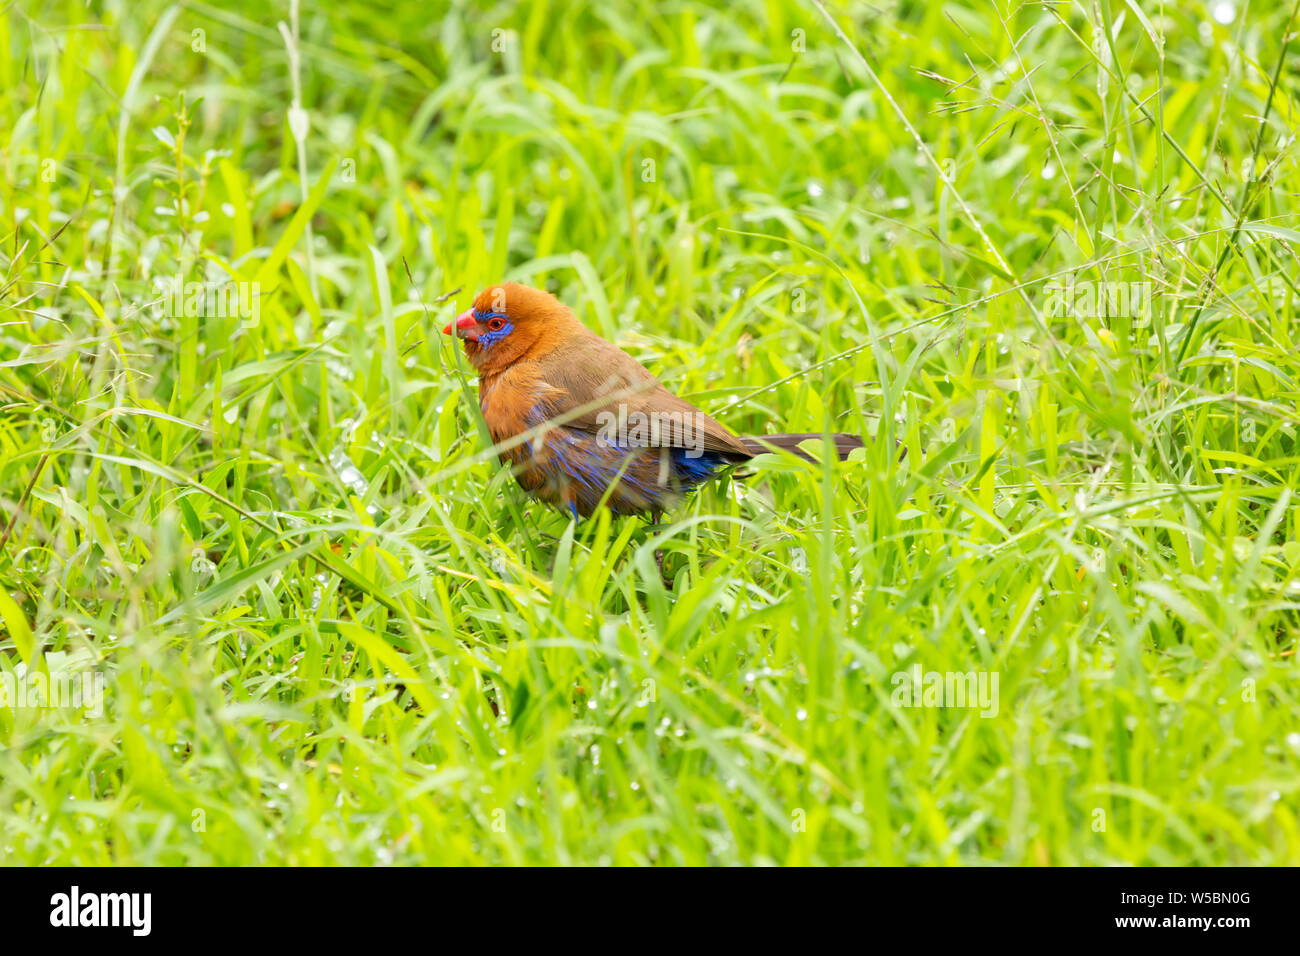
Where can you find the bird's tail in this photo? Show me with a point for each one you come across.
(758, 444)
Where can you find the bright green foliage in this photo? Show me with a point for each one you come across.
(333, 631)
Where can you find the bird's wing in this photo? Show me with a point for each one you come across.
(613, 388)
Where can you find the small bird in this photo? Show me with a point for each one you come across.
(601, 429)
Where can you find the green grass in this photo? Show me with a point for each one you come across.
(333, 631)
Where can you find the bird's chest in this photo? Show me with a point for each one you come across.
(509, 404)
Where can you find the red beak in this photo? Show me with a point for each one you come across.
(462, 327)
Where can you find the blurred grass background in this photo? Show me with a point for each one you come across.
(333, 631)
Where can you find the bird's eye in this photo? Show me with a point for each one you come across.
(495, 325)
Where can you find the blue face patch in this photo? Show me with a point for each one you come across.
(492, 336)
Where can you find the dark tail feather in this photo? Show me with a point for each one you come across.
(843, 443)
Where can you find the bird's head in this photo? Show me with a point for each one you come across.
(509, 321)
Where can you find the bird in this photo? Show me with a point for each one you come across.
(599, 430)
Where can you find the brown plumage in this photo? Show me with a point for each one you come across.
(540, 366)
